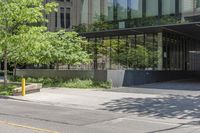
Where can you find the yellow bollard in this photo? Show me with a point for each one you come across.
(23, 87)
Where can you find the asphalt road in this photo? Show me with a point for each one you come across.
(27, 117)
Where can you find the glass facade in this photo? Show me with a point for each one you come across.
(151, 8)
(84, 14)
(168, 7)
(138, 13)
(138, 52)
(96, 11)
(141, 49)
(135, 7)
(109, 10)
(122, 9)
(197, 3)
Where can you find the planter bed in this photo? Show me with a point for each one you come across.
(14, 88)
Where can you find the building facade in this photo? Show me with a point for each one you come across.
(135, 34)
(123, 13)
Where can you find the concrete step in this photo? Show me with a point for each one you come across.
(30, 88)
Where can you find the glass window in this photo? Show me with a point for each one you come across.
(151, 45)
(84, 12)
(168, 7)
(68, 18)
(197, 3)
(56, 19)
(62, 21)
(96, 10)
(186, 6)
(136, 8)
(151, 8)
(109, 10)
(121, 9)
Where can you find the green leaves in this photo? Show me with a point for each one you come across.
(21, 32)
(66, 48)
(26, 40)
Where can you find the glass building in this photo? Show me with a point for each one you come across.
(141, 34)
(137, 13)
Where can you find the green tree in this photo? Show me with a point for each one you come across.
(27, 47)
(66, 48)
(18, 17)
(138, 57)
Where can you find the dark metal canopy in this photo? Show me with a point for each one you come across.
(187, 29)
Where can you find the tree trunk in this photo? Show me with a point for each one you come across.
(57, 66)
(5, 69)
(15, 70)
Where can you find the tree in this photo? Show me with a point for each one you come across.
(27, 47)
(18, 17)
(138, 57)
(64, 47)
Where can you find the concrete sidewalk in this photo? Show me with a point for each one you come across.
(145, 105)
(78, 98)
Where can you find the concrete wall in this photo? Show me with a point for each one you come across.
(118, 78)
(132, 78)
(64, 74)
(115, 76)
(129, 78)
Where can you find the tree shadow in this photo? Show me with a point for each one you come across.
(173, 106)
(187, 84)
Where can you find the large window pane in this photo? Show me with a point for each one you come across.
(186, 9)
(151, 8)
(151, 45)
(186, 6)
(121, 9)
(168, 7)
(96, 10)
(136, 8)
(62, 20)
(109, 10)
(84, 11)
(68, 20)
(197, 3)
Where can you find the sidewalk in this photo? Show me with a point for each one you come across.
(78, 98)
(171, 108)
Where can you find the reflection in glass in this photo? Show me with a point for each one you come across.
(84, 11)
(168, 7)
(109, 10)
(136, 8)
(96, 10)
(151, 8)
(121, 9)
(151, 45)
(197, 3)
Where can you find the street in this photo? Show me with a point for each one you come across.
(86, 111)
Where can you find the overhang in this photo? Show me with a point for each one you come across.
(187, 29)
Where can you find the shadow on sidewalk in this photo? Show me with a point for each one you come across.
(173, 106)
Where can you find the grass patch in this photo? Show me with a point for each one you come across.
(7, 91)
(73, 83)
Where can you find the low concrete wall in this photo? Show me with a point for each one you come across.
(129, 78)
(118, 78)
(50, 73)
(115, 76)
(132, 78)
